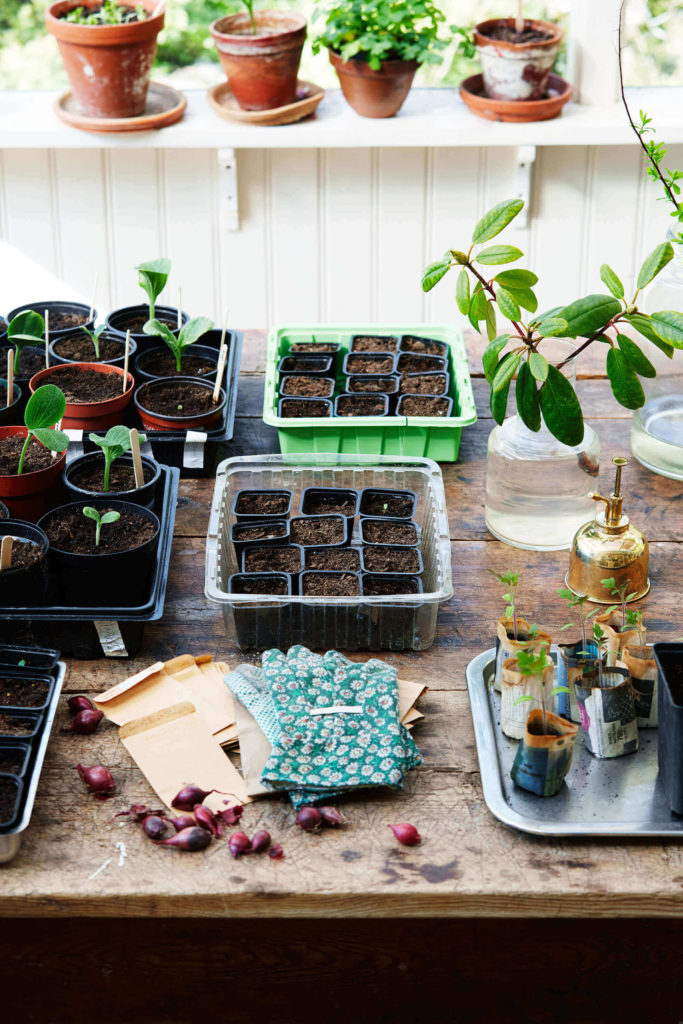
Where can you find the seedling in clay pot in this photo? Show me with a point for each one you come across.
(261, 505)
(320, 531)
(369, 362)
(307, 387)
(302, 408)
(388, 558)
(424, 383)
(316, 501)
(245, 534)
(44, 409)
(392, 504)
(330, 584)
(424, 405)
(28, 466)
(153, 361)
(424, 346)
(398, 532)
(22, 564)
(86, 346)
(109, 12)
(311, 366)
(333, 559)
(374, 343)
(96, 393)
(361, 405)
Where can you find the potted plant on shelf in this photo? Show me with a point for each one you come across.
(513, 632)
(112, 474)
(640, 661)
(607, 706)
(260, 52)
(32, 457)
(152, 278)
(167, 361)
(108, 49)
(376, 46)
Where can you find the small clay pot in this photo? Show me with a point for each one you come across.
(516, 71)
(117, 360)
(96, 416)
(29, 495)
(374, 93)
(262, 69)
(108, 65)
(152, 420)
(53, 307)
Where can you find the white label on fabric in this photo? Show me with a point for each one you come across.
(193, 450)
(110, 638)
(344, 709)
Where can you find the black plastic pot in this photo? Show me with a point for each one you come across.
(4, 511)
(58, 307)
(414, 362)
(329, 501)
(11, 415)
(400, 504)
(330, 383)
(242, 499)
(273, 557)
(30, 657)
(25, 676)
(21, 381)
(148, 356)
(382, 523)
(397, 625)
(414, 343)
(327, 348)
(412, 556)
(315, 559)
(138, 495)
(372, 363)
(329, 623)
(119, 360)
(321, 408)
(12, 782)
(438, 380)
(346, 524)
(18, 753)
(669, 658)
(446, 405)
(279, 528)
(24, 586)
(122, 576)
(266, 624)
(310, 366)
(371, 384)
(379, 584)
(34, 719)
(118, 318)
(390, 342)
(352, 405)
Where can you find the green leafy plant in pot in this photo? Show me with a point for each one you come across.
(188, 335)
(376, 46)
(579, 658)
(39, 452)
(513, 632)
(25, 330)
(112, 473)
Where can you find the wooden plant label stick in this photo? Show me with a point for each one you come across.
(6, 553)
(10, 377)
(219, 372)
(94, 293)
(125, 362)
(47, 338)
(225, 327)
(137, 460)
(519, 20)
(180, 307)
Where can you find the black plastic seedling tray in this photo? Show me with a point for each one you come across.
(91, 631)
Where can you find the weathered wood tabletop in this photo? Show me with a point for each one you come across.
(468, 863)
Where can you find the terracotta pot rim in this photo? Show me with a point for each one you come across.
(182, 420)
(102, 35)
(394, 65)
(481, 39)
(19, 431)
(292, 23)
(101, 502)
(81, 407)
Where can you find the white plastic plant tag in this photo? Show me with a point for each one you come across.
(193, 450)
(338, 709)
(75, 436)
(110, 638)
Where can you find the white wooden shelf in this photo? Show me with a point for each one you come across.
(430, 117)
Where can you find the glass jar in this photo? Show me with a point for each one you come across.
(537, 489)
(657, 428)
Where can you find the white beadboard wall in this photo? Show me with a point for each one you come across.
(325, 234)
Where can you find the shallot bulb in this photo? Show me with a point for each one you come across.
(205, 819)
(331, 816)
(182, 821)
(154, 826)
(406, 834)
(139, 812)
(188, 796)
(98, 779)
(85, 722)
(239, 843)
(77, 704)
(260, 841)
(276, 852)
(188, 839)
(309, 819)
(232, 814)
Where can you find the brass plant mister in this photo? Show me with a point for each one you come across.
(609, 546)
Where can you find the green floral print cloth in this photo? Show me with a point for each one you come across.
(333, 723)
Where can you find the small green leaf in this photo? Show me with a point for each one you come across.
(27, 326)
(458, 256)
(433, 274)
(45, 407)
(194, 329)
(641, 323)
(654, 263)
(512, 279)
(561, 409)
(462, 292)
(499, 404)
(55, 440)
(505, 371)
(526, 298)
(507, 304)
(110, 517)
(586, 316)
(493, 222)
(497, 254)
(636, 357)
(668, 325)
(491, 330)
(477, 307)
(528, 403)
(91, 513)
(160, 329)
(491, 353)
(553, 327)
(538, 365)
(625, 385)
(611, 281)
(152, 277)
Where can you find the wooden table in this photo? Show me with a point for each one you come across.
(444, 899)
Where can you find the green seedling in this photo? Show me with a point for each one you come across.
(610, 584)
(44, 409)
(577, 604)
(116, 442)
(100, 520)
(27, 328)
(95, 337)
(111, 12)
(249, 4)
(189, 333)
(509, 580)
(634, 617)
(152, 278)
(600, 638)
(530, 664)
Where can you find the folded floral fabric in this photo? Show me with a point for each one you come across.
(333, 723)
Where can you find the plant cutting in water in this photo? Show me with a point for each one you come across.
(100, 520)
(530, 664)
(27, 328)
(152, 278)
(577, 604)
(379, 30)
(610, 584)
(114, 444)
(542, 391)
(110, 12)
(189, 333)
(95, 337)
(45, 407)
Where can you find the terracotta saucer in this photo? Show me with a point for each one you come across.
(558, 93)
(164, 106)
(308, 96)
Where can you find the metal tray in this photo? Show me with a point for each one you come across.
(10, 840)
(622, 796)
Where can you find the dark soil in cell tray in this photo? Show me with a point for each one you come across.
(324, 347)
(164, 365)
(37, 457)
(121, 478)
(266, 583)
(273, 559)
(374, 343)
(335, 559)
(389, 559)
(267, 503)
(31, 361)
(173, 399)
(386, 531)
(413, 362)
(358, 363)
(79, 348)
(23, 693)
(307, 387)
(330, 584)
(12, 762)
(423, 405)
(318, 530)
(293, 408)
(361, 405)
(372, 385)
(71, 531)
(424, 384)
(25, 554)
(13, 725)
(318, 366)
(82, 387)
(425, 346)
(8, 800)
(377, 585)
(246, 533)
(318, 501)
(392, 504)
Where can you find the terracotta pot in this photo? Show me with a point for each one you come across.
(374, 93)
(29, 496)
(97, 416)
(161, 421)
(262, 69)
(108, 65)
(516, 71)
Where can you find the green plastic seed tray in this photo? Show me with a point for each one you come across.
(431, 437)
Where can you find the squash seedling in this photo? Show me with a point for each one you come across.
(191, 332)
(115, 443)
(27, 328)
(44, 409)
(152, 278)
(610, 584)
(530, 664)
(576, 603)
(100, 520)
(95, 338)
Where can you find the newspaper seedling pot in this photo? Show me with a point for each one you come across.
(641, 664)
(24, 585)
(90, 416)
(12, 413)
(374, 93)
(262, 68)
(513, 715)
(266, 624)
(84, 464)
(56, 309)
(29, 495)
(133, 318)
(669, 658)
(152, 420)
(266, 534)
(608, 714)
(573, 663)
(144, 360)
(108, 65)
(117, 360)
(508, 647)
(543, 760)
(617, 638)
(83, 579)
(516, 71)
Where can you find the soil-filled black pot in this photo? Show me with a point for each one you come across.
(305, 408)
(311, 366)
(261, 506)
(24, 585)
(11, 789)
(31, 361)
(398, 624)
(379, 501)
(371, 384)
(24, 689)
(280, 558)
(319, 501)
(330, 618)
(60, 312)
(143, 369)
(382, 531)
(134, 318)
(374, 363)
(112, 349)
(669, 658)
(85, 464)
(361, 405)
(327, 348)
(425, 346)
(112, 578)
(321, 531)
(242, 535)
(391, 559)
(416, 362)
(12, 413)
(263, 624)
